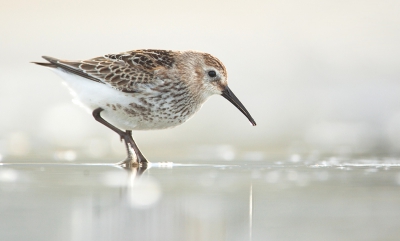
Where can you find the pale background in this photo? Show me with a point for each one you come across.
(319, 77)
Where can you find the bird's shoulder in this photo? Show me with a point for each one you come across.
(145, 58)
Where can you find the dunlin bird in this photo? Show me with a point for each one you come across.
(145, 89)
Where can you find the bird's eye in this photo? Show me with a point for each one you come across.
(212, 73)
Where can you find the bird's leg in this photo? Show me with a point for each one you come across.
(129, 142)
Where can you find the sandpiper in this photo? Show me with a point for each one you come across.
(144, 89)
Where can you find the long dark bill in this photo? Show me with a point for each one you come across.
(228, 94)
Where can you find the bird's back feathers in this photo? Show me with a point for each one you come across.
(122, 71)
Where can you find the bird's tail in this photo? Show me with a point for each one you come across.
(50, 64)
(44, 64)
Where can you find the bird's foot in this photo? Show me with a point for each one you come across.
(133, 159)
(132, 163)
(129, 163)
(132, 149)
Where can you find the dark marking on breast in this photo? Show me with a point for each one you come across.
(179, 94)
(146, 103)
(180, 108)
(131, 112)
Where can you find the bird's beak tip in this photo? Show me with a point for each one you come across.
(228, 94)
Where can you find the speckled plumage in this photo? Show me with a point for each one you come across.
(146, 89)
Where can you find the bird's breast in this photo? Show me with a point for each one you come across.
(156, 108)
(163, 110)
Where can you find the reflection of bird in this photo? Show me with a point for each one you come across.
(145, 89)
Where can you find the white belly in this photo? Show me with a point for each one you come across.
(117, 105)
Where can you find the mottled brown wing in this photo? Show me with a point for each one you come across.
(125, 71)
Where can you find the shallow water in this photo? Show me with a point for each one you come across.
(330, 199)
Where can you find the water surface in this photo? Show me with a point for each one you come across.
(330, 199)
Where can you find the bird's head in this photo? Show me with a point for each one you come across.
(209, 77)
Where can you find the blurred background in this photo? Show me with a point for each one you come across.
(319, 77)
